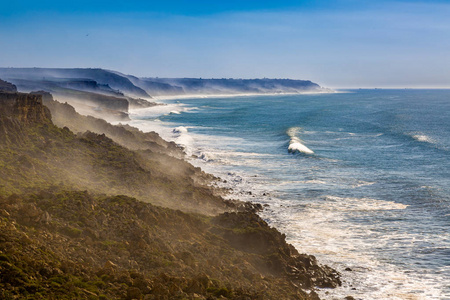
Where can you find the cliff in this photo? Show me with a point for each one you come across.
(105, 77)
(230, 86)
(112, 83)
(72, 226)
(7, 86)
(17, 111)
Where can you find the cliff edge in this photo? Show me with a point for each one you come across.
(78, 220)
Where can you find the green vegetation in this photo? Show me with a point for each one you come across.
(79, 220)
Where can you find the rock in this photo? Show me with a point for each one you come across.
(7, 86)
(134, 293)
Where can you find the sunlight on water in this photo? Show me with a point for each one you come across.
(347, 177)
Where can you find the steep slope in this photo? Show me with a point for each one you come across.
(64, 233)
(46, 155)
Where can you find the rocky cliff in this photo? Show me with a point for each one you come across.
(78, 220)
(25, 108)
(7, 86)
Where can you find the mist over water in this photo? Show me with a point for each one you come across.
(361, 180)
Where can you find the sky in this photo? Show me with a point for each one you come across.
(338, 44)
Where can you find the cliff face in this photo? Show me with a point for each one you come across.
(26, 108)
(70, 227)
(17, 111)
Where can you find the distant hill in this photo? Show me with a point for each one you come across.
(113, 83)
(233, 86)
(103, 77)
(94, 92)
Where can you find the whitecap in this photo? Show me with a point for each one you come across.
(295, 144)
(362, 204)
(180, 130)
(422, 138)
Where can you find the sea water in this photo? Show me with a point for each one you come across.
(360, 179)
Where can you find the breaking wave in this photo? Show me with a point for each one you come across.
(422, 138)
(296, 144)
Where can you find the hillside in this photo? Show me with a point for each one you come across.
(78, 219)
(113, 83)
(199, 86)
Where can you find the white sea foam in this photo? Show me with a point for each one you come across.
(321, 226)
(423, 138)
(295, 144)
(360, 183)
(325, 229)
(174, 112)
(180, 130)
(362, 204)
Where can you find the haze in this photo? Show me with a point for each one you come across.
(338, 44)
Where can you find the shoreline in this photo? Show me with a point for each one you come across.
(358, 268)
(149, 225)
(206, 96)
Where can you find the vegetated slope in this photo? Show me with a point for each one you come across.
(64, 234)
(36, 153)
(71, 244)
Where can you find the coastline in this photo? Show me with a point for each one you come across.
(363, 269)
(200, 96)
(213, 248)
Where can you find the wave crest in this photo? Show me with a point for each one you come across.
(296, 144)
(422, 138)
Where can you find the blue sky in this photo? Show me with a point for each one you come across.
(337, 44)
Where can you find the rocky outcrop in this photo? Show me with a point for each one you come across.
(17, 112)
(24, 107)
(246, 231)
(7, 86)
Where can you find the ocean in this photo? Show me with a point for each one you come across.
(360, 179)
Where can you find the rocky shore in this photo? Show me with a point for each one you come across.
(89, 210)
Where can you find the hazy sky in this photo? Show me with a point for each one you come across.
(334, 43)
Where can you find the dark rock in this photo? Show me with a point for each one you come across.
(7, 86)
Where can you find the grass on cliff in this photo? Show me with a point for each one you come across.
(69, 244)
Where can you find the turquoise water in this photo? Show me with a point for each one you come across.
(359, 179)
